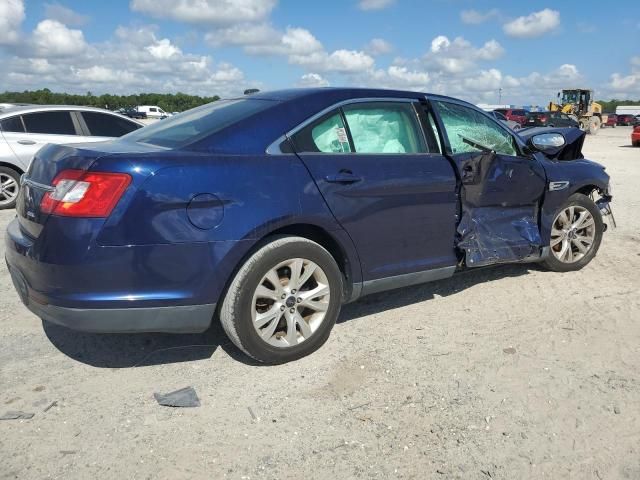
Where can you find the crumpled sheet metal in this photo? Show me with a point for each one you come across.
(498, 234)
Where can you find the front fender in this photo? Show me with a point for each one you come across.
(565, 179)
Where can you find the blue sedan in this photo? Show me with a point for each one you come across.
(269, 212)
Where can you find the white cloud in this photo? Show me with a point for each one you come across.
(475, 17)
(11, 17)
(458, 56)
(626, 85)
(533, 25)
(62, 14)
(378, 46)
(53, 39)
(203, 12)
(312, 80)
(343, 61)
(244, 34)
(163, 49)
(374, 4)
(134, 60)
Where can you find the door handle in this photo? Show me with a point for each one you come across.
(343, 177)
(26, 142)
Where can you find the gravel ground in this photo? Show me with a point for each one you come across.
(503, 373)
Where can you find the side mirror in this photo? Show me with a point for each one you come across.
(547, 142)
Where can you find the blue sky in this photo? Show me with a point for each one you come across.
(465, 48)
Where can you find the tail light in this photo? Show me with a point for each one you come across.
(85, 194)
(543, 118)
(636, 129)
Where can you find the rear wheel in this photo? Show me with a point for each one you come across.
(284, 300)
(9, 187)
(576, 234)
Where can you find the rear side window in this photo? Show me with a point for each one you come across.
(198, 123)
(54, 123)
(468, 128)
(326, 135)
(105, 125)
(13, 124)
(384, 127)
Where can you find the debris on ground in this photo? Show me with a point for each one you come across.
(253, 415)
(185, 397)
(509, 350)
(50, 406)
(616, 410)
(16, 415)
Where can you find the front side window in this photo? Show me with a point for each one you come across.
(470, 131)
(384, 127)
(13, 124)
(55, 123)
(105, 125)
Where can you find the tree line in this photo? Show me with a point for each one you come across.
(169, 102)
(609, 106)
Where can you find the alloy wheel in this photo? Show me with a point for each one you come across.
(9, 189)
(573, 234)
(290, 302)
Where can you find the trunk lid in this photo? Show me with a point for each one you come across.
(48, 163)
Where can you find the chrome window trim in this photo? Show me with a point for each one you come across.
(274, 148)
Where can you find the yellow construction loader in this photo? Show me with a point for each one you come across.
(579, 103)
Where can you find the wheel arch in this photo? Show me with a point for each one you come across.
(328, 241)
(12, 166)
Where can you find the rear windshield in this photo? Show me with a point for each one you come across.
(195, 124)
(520, 113)
(537, 114)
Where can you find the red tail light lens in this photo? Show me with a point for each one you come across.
(543, 118)
(85, 194)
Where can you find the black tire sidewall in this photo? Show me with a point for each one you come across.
(245, 331)
(16, 176)
(583, 201)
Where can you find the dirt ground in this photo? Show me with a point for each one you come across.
(503, 373)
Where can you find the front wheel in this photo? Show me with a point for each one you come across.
(284, 300)
(576, 234)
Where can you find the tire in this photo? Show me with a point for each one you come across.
(9, 187)
(571, 238)
(245, 302)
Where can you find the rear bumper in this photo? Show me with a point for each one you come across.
(178, 319)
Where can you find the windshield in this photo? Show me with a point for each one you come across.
(193, 125)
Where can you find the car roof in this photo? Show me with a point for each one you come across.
(44, 108)
(18, 110)
(344, 92)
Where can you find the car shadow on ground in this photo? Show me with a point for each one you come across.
(144, 349)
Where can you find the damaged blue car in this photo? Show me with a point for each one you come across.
(269, 212)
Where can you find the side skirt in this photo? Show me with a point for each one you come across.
(400, 281)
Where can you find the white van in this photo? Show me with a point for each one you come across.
(153, 111)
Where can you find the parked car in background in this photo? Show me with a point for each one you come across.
(550, 119)
(24, 130)
(132, 113)
(269, 211)
(625, 119)
(612, 120)
(637, 120)
(509, 123)
(635, 136)
(515, 114)
(152, 111)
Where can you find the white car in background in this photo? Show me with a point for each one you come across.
(26, 129)
(153, 111)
